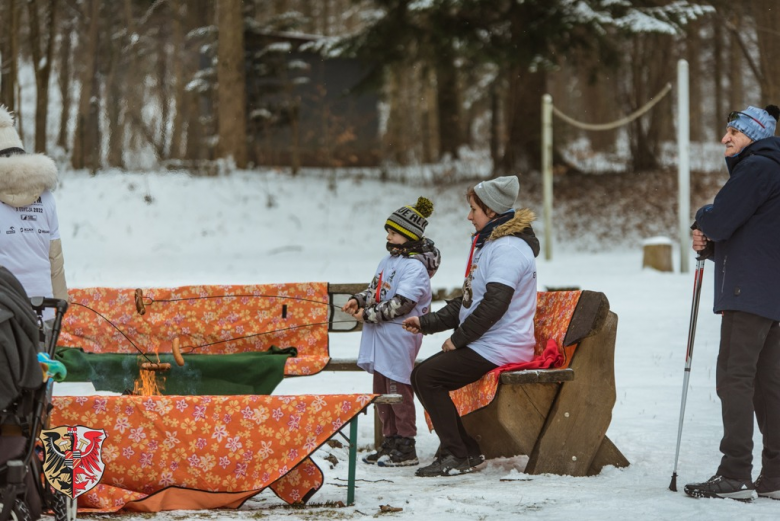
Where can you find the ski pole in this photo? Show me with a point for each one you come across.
(688, 359)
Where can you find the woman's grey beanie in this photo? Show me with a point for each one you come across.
(499, 194)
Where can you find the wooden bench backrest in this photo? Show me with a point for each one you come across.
(206, 320)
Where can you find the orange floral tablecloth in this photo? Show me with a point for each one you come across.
(212, 319)
(192, 452)
(554, 310)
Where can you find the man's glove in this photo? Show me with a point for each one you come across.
(709, 251)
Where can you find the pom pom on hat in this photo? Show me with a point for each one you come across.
(424, 207)
(410, 221)
(9, 138)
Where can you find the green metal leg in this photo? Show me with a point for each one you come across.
(353, 435)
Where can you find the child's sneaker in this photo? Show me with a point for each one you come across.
(720, 486)
(768, 487)
(388, 444)
(403, 455)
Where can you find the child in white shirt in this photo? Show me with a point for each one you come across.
(400, 288)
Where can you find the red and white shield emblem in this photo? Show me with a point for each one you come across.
(72, 461)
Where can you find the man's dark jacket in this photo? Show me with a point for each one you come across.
(744, 224)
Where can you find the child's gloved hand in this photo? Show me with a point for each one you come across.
(53, 369)
(350, 307)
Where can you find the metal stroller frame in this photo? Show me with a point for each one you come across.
(14, 494)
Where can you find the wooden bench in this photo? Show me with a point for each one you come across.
(559, 417)
(558, 420)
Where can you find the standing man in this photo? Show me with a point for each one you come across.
(741, 229)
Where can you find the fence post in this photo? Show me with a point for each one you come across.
(547, 174)
(683, 166)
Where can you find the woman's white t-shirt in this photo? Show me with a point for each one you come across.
(26, 233)
(510, 261)
(386, 347)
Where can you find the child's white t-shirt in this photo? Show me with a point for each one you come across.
(26, 233)
(386, 347)
(509, 261)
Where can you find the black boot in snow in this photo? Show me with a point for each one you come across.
(388, 444)
(404, 454)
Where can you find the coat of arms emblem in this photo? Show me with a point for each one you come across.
(72, 461)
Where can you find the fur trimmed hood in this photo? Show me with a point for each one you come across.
(519, 226)
(24, 177)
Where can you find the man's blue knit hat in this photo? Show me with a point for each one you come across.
(755, 123)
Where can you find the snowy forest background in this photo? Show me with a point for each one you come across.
(143, 84)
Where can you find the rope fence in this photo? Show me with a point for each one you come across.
(548, 110)
(620, 122)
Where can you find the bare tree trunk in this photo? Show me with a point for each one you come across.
(199, 14)
(42, 48)
(177, 132)
(448, 107)
(9, 51)
(231, 90)
(326, 5)
(717, 71)
(767, 19)
(85, 147)
(649, 73)
(64, 80)
(397, 137)
(115, 79)
(522, 150)
(495, 122)
(735, 70)
(599, 102)
(163, 93)
(430, 120)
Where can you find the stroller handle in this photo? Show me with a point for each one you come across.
(41, 303)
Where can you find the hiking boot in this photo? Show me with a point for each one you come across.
(403, 455)
(720, 486)
(768, 487)
(384, 451)
(434, 469)
(448, 465)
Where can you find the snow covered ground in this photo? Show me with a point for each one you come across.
(170, 229)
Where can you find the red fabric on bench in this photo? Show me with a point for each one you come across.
(551, 357)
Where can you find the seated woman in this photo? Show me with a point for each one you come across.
(493, 320)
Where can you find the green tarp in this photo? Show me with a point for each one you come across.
(240, 373)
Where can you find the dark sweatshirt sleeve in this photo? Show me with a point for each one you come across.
(442, 320)
(489, 311)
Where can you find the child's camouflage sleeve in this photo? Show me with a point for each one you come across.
(367, 296)
(386, 311)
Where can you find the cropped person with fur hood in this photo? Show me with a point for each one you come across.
(492, 321)
(30, 244)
